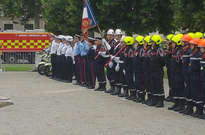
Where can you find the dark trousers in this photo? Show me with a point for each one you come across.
(157, 83)
(77, 68)
(139, 82)
(91, 77)
(83, 73)
(68, 69)
(195, 86)
(100, 73)
(53, 64)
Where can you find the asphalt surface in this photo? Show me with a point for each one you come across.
(47, 107)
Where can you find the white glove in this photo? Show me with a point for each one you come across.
(117, 68)
(101, 53)
(124, 72)
(110, 65)
(117, 59)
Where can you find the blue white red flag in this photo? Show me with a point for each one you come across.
(88, 18)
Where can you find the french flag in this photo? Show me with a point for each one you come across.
(88, 18)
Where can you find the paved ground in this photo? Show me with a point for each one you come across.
(47, 107)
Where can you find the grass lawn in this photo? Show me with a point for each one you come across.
(18, 67)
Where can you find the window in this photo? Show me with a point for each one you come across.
(8, 27)
(28, 27)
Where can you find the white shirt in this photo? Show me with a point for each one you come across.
(64, 48)
(59, 49)
(54, 47)
(69, 51)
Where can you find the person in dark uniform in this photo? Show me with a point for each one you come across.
(83, 52)
(139, 92)
(54, 47)
(177, 74)
(127, 69)
(167, 64)
(91, 63)
(157, 73)
(69, 61)
(146, 69)
(112, 42)
(76, 53)
(100, 63)
(187, 52)
(201, 100)
(194, 67)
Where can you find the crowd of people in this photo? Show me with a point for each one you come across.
(134, 67)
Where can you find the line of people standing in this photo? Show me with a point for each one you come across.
(134, 68)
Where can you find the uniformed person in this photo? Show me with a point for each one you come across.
(177, 74)
(110, 70)
(69, 60)
(138, 93)
(54, 47)
(63, 60)
(157, 73)
(58, 58)
(91, 76)
(83, 52)
(201, 99)
(116, 64)
(168, 54)
(194, 68)
(100, 63)
(76, 53)
(146, 54)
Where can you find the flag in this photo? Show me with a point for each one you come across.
(88, 18)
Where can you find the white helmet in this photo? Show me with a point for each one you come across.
(118, 32)
(69, 38)
(110, 32)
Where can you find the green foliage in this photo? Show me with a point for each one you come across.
(133, 16)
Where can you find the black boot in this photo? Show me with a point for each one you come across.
(160, 102)
(176, 104)
(153, 101)
(138, 97)
(120, 94)
(110, 90)
(132, 95)
(200, 112)
(116, 91)
(149, 99)
(189, 109)
(125, 90)
(181, 106)
(99, 87)
(103, 88)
